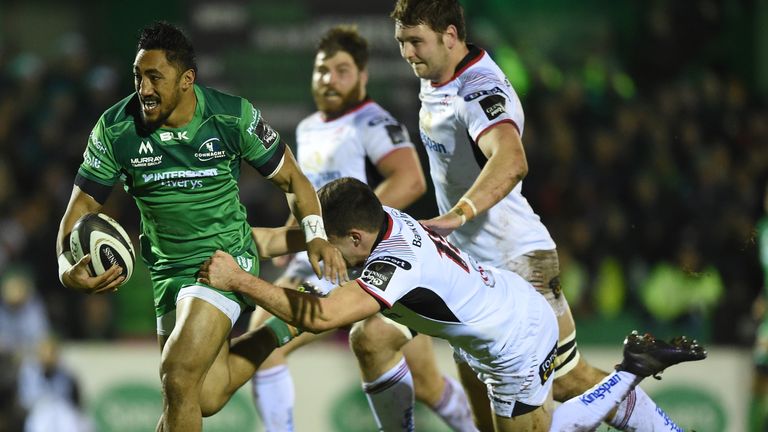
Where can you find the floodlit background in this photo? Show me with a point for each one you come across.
(646, 135)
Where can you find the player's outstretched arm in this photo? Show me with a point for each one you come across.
(75, 275)
(505, 168)
(275, 242)
(306, 208)
(346, 304)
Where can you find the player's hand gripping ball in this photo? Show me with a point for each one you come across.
(107, 242)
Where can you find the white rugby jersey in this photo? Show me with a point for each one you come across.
(344, 146)
(452, 117)
(429, 285)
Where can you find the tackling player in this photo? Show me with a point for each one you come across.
(351, 135)
(471, 123)
(495, 320)
(177, 147)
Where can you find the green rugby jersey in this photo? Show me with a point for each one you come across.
(184, 180)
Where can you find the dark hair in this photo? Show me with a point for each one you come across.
(349, 204)
(169, 38)
(436, 14)
(345, 38)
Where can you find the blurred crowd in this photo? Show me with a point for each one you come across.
(650, 181)
(658, 193)
(648, 164)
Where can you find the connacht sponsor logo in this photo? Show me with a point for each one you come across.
(210, 149)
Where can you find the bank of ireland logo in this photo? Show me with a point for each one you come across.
(245, 263)
(210, 149)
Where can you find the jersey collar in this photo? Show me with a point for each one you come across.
(473, 56)
(384, 230)
(365, 101)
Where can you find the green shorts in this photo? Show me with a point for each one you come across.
(167, 284)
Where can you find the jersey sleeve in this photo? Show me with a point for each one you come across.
(261, 145)
(99, 164)
(485, 101)
(388, 278)
(382, 135)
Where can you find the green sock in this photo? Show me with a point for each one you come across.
(282, 331)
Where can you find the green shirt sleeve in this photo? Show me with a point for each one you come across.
(99, 163)
(261, 145)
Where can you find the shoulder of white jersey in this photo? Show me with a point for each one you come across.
(372, 115)
(381, 132)
(484, 88)
(484, 78)
(309, 120)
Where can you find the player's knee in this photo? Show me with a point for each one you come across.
(375, 336)
(177, 377)
(360, 341)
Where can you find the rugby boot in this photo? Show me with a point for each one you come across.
(646, 356)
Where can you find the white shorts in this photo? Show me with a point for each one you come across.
(227, 306)
(525, 370)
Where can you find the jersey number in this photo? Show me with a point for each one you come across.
(446, 249)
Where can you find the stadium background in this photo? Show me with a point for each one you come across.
(645, 133)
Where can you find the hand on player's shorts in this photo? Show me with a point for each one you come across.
(79, 278)
(334, 268)
(443, 224)
(219, 271)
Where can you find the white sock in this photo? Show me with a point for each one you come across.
(273, 395)
(587, 411)
(639, 413)
(391, 398)
(453, 407)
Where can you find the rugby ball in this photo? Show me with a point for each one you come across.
(107, 242)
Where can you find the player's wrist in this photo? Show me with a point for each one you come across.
(313, 228)
(465, 209)
(65, 264)
(239, 281)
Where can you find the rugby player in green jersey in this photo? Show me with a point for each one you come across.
(177, 148)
